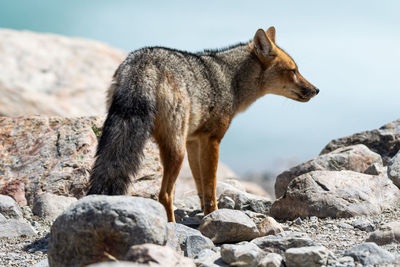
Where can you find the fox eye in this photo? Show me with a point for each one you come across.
(294, 71)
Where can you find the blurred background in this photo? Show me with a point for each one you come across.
(348, 49)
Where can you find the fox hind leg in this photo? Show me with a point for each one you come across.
(193, 152)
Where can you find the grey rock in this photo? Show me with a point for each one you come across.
(346, 261)
(241, 254)
(226, 225)
(121, 264)
(111, 223)
(271, 260)
(394, 169)
(386, 234)
(9, 208)
(364, 225)
(209, 258)
(242, 200)
(187, 241)
(156, 255)
(50, 206)
(369, 253)
(355, 158)
(10, 228)
(385, 141)
(307, 256)
(298, 221)
(42, 263)
(376, 169)
(279, 243)
(345, 225)
(336, 194)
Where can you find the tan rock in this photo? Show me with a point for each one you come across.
(48, 74)
(386, 234)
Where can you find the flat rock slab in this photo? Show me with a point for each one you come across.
(55, 155)
(369, 253)
(335, 194)
(314, 256)
(385, 141)
(224, 225)
(354, 158)
(49, 206)
(279, 243)
(97, 226)
(386, 234)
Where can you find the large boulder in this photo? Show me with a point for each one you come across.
(354, 158)
(386, 234)
(99, 227)
(385, 141)
(49, 74)
(335, 194)
(369, 254)
(55, 155)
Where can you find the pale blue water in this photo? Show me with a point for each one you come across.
(351, 51)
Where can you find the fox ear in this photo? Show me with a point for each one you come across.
(271, 33)
(263, 46)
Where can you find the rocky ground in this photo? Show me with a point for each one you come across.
(341, 208)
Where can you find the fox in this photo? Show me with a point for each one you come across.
(186, 102)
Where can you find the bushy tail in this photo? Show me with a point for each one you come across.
(128, 125)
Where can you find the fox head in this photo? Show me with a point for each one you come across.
(280, 74)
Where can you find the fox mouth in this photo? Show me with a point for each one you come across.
(300, 97)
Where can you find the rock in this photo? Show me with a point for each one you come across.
(376, 169)
(242, 200)
(307, 256)
(241, 254)
(335, 194)
(12, 228)
(122, 264)
(279, 243)
(50, 206)
(190, 218)
(49, 74)
(16, 190)
(346, 261)
(266, 225)
(225, 225)
(157, 255)
(385, 141)
(298, 221)
(345, 225)
(369, 253)
(271, 260)
(394, 169)
(355, 158)
(364, 225)
(187, 241)
(209, 258)
(42, 263)
(9, 208)
(386, 234)
(55, 155)
(112, 224)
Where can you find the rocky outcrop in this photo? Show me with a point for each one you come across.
(394, 169)
(335, 194)
(385, 141)
(55, 155)
(97, 228)
(48, 74)
(354, 158)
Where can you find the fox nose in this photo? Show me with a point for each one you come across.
(316, 91)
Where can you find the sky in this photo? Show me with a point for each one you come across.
(349, 49)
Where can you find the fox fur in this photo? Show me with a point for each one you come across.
(186, 101)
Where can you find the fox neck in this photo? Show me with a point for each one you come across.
(243, 74)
